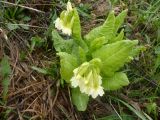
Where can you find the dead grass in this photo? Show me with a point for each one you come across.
(34, 96)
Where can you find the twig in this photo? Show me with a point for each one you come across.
(115, 110)
(55, 98)
(33, 26)
(33, 9)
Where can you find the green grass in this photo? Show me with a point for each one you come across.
(144, 72)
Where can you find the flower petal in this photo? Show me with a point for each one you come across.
(74, 82)
(67, 31)
(58, 24)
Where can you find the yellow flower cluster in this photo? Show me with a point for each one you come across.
(87, 78)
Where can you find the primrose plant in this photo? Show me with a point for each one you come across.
(91, 64)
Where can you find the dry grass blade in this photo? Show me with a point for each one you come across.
(9, 3)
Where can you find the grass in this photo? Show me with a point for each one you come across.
(35, 93)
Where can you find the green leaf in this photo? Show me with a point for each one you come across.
(12, 26)
(119, 20)
(5, 72)
(105, 30)
(36, 42)
(5, 67)
(79, 53)
(68, 64)
(80, 100)
(97, 43)
(60, 44)
(76, 31)
(5, 84)
(115, 82)
(152, 108)
(115, 55)
(40, 70)
(119, 37)
(82, 55)
(96, 62)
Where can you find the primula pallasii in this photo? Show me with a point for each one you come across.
(87, 78)
(65, 21)
(92, 63)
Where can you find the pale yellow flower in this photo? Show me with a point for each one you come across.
(87, 78)
(65, 21)
(60, 26)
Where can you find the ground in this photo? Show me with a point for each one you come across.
(26, 45)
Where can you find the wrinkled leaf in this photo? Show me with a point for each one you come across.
(119, 20)
(115, 82)
(119, 37)
(79, 53)
(114, 55)
(105, 30)
(80, 100)
(76, 31)
(68, 64)
(96, 62)
(82, 55)
(60, 44)
(97, 43)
